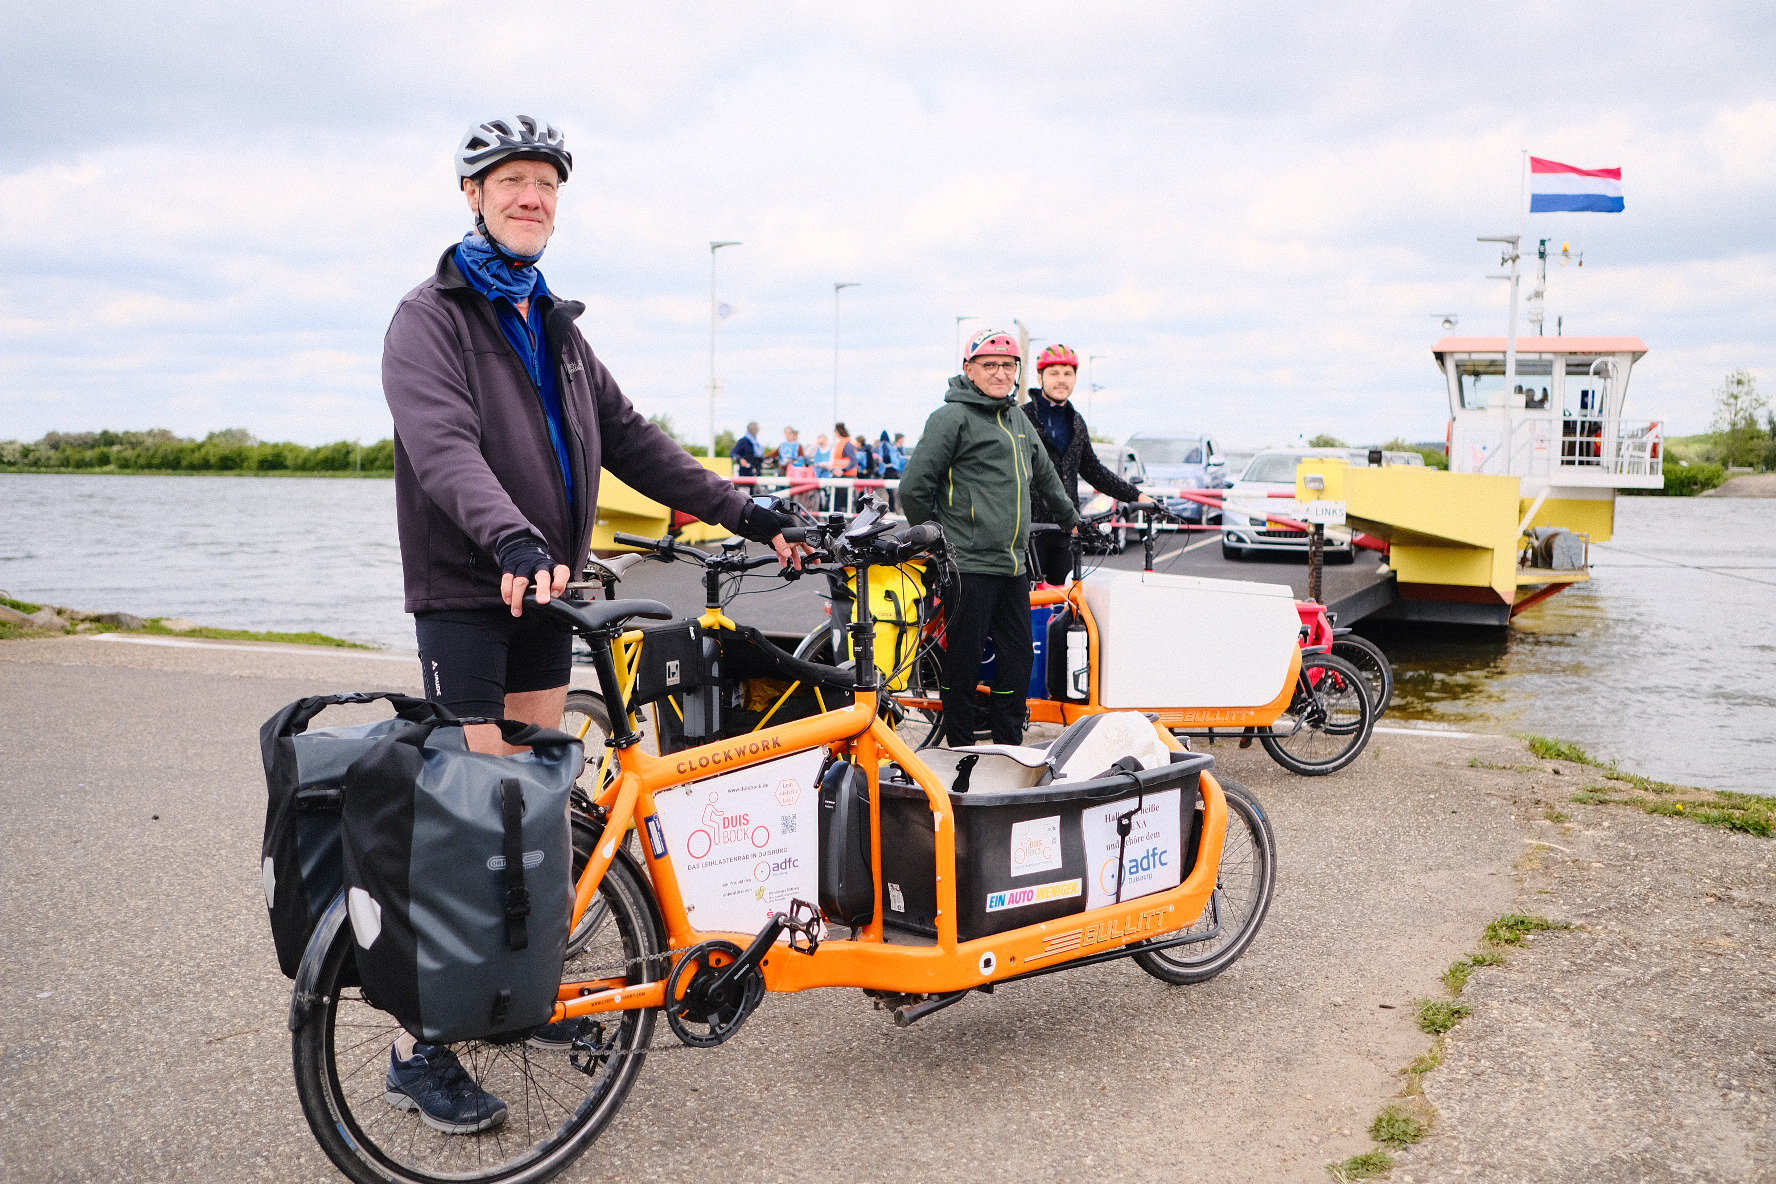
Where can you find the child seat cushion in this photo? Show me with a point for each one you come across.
(1086, 749)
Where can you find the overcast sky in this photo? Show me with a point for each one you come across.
(1257, 215)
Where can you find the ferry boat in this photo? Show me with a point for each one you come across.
(1559, 429)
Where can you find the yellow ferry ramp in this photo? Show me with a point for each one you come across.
(1451, 536)
(623, 510)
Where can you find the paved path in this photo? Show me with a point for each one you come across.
(143, 1038)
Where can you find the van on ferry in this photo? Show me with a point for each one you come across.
(1175, 462)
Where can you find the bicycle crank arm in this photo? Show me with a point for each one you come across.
(749, 959)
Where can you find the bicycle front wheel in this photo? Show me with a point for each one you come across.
(557, 1101)
(1243, 886)
(1328, 722)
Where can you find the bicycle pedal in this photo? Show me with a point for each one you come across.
(803, 922)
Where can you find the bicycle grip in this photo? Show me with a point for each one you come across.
(635, 540)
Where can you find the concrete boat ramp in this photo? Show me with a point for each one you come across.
(143, 1037)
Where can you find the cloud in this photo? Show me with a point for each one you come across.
(1257, 224)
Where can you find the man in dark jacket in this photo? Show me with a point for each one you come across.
(973, 473)
(1069, 443)
(748, 454)
(504, 420)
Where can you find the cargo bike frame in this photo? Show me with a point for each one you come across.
(636, 951)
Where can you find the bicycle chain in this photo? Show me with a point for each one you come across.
(669, 957)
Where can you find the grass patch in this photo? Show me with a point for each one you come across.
(1549, 749)
(1362, 1167)
(1554, 815)
(23, 606)
(207, 633)
(1395, 1128)
(1457, 976)
(1746, 813)
(1437, 1016)
(1426, 1062)
(1512, 928)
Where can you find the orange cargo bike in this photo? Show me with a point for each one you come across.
(819, 852)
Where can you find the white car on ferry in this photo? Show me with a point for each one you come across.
(1244, 530)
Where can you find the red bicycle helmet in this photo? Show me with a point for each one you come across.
(1057, 355)
(991, 341)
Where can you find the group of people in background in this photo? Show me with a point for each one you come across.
(839, 455)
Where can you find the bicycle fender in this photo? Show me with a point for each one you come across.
(326, 931)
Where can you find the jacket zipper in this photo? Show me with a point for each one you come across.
(1017, 480)
(567, 515)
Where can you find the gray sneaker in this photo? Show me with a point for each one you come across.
(433, 1082)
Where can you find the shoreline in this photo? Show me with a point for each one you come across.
(22, 620)
(379, 474)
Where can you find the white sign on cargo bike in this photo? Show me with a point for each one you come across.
(1151, 860)
(746, 843)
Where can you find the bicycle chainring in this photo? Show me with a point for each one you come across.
(701, 1013)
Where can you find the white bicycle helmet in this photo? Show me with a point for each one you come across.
(510, 137)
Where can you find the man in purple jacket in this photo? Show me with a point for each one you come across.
(504, 420)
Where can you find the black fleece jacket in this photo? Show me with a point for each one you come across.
(473, 458)
(1079, 460)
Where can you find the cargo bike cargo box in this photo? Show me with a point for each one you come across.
(1032, 849)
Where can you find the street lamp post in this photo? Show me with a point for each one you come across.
(713, 318)
(956, 357)
(837, 288)
(1091, 386)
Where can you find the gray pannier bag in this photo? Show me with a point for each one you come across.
(299, 860)
(459, 877)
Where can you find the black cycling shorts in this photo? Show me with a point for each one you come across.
(473, 658)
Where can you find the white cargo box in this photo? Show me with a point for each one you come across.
(1185, 641)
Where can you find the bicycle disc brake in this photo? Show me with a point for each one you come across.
(701, 1009)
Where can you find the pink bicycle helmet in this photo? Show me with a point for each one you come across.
(1057, 355)
(991, 341)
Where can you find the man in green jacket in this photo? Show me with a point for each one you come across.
(972, 474)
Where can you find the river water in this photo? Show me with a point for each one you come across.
(1663, 661)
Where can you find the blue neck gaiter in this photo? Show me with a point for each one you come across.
(496, 276)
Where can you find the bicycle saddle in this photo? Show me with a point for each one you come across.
(603, 614)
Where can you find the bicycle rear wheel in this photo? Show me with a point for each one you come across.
(1243, 887)
(1328, 722)
(557, 1101)
(1372, 664)
(588, 719)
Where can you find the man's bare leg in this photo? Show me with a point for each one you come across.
(543, 708)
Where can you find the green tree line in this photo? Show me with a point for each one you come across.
(232, 450)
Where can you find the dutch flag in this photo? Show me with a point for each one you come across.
(1556, 187)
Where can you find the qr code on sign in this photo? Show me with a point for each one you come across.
(788, 824)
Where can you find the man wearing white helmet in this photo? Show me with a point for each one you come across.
(975, 472)
(504, 420)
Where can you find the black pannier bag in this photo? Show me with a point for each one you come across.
(760, 682)
(459, 877)
(300, 862)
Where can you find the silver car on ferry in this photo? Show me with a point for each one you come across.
(1244, 529)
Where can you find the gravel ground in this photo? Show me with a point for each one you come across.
(1639, 1045)
(143, 1036)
